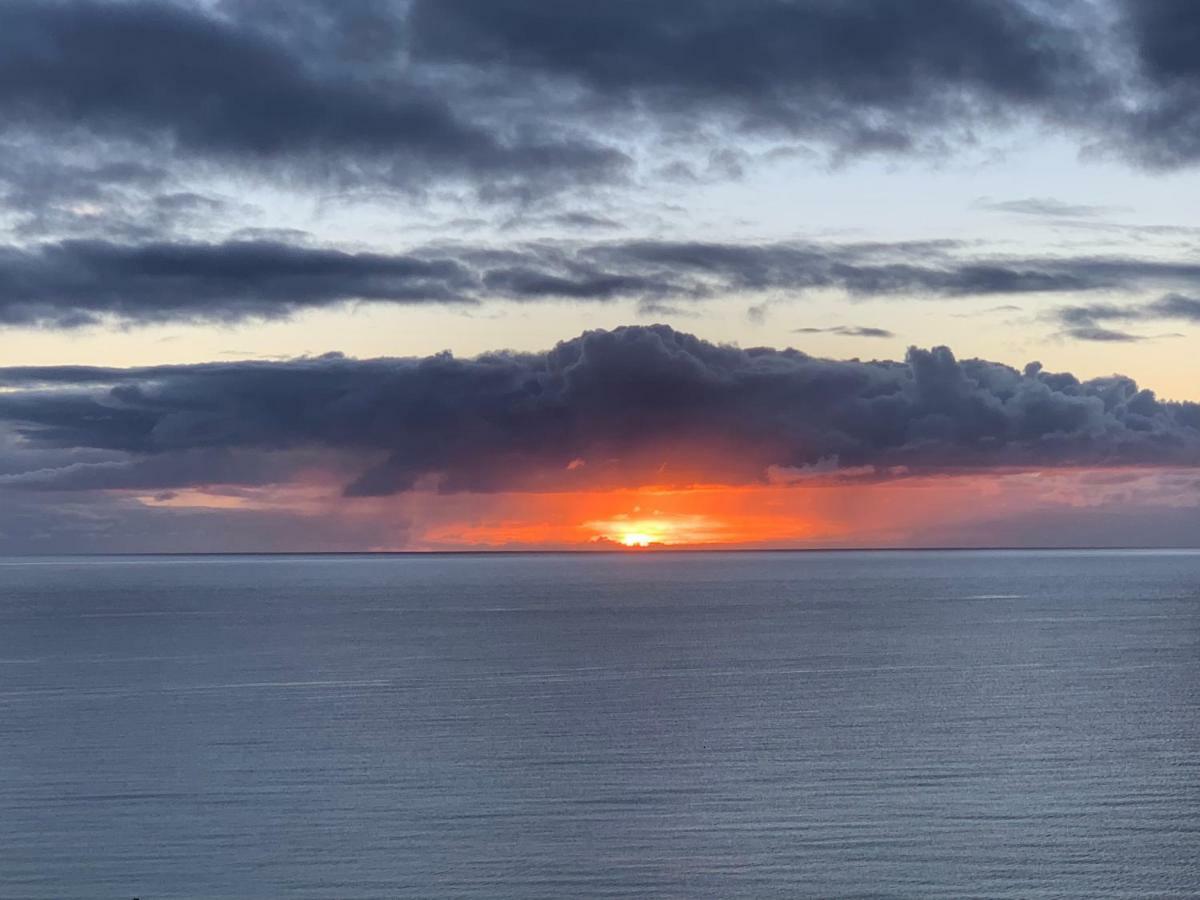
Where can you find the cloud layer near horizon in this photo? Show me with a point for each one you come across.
(634, 406)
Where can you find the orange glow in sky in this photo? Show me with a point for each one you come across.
(639, 530)
(904, 511)
(631, 518)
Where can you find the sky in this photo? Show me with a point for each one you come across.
(304, 275)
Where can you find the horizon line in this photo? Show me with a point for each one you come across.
(614, 551)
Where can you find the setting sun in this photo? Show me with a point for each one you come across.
(636, 539)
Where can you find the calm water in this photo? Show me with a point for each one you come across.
(741, 725)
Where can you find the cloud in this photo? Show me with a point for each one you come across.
(79, 282)
(396, 92)
(520, 100)
(642, 405)
(232, 90)
(1082, 320)
(1044, 206)
(1174, 306)
(868, 76)
(1161, 125)
(1101, 335)
(847, 331)
(73, 283)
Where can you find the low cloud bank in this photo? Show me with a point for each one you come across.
(632, 406)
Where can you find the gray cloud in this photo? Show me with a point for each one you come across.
(73, 283)
(1044, 206)
(1101, 335)
(1161, 125)
(520, 99)
(517, 100)
(78, 282)
(1082, 321)
(1091, 313)
(234, 92)
(1174, 306)
(847, 331)
(866, 76)
(1169, 306)
(640, 404)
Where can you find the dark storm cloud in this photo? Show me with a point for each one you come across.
(860, 76)
(638, 404)
(77, 282)
(866, 75)
(110, 110)
(520, 99)
(1162, 127)
(167, 78)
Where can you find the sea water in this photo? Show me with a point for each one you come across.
(726, 725)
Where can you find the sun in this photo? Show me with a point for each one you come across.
(636, 539)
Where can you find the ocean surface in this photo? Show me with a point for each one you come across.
(743, 725)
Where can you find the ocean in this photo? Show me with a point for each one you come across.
(1001, 724)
